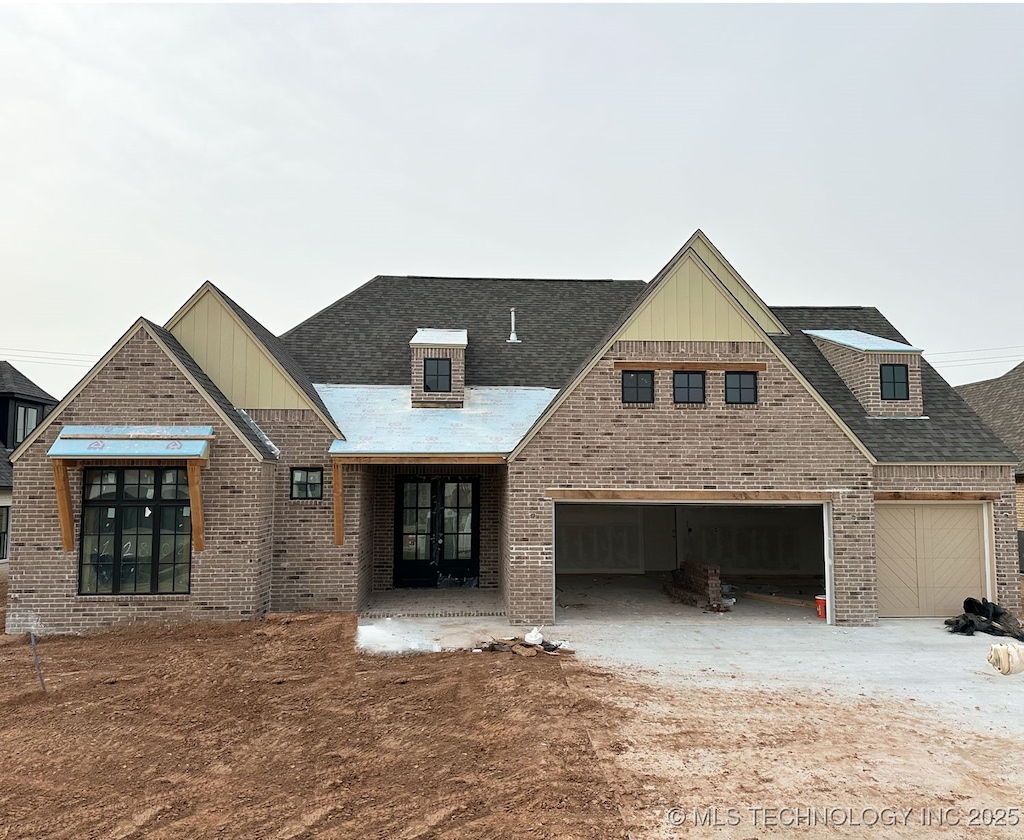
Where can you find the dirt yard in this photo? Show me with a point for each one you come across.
(279, 729)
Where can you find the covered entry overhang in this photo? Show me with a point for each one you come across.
(761, 540)
(112, 444)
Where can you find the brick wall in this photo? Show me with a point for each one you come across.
(309, 572)
(785, 442)
(1020, 504)
(860, 372)
(451, 399)
(492, 479)
(230, 577)
(971, 478)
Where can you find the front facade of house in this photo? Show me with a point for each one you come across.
(603, 427)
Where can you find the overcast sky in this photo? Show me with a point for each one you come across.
(865, 155)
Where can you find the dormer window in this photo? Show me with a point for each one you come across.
(437, 375)
(895, 381)
(27, 418)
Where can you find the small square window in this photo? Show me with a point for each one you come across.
(437, 375)
(688, 386)
(895, 382)
(308, 483)
(740, 388)
(638, 386)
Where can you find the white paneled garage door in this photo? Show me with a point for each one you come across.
(930, 557)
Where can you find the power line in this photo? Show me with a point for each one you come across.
(978, 350)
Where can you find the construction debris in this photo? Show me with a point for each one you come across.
(984, 616)
(521, 647)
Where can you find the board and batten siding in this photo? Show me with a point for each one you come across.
(241, 367)
(689, 306)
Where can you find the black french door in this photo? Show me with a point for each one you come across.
(437, 534)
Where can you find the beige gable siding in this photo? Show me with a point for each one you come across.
(231, 358)
(737, 287)
(689, 306)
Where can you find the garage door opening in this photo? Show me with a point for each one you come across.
(771, 553)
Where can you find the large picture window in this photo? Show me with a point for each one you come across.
(136, 531)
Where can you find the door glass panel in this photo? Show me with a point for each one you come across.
(424, 494)
(466, 521)
(465, 547)
(451, 494)
(449, 547)
(451, 520)
(465, 494)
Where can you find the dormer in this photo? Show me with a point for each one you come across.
(438, 373)
(884, 375)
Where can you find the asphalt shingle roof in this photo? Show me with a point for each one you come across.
(953, 432)
(6, 469)
(1000, 402)
(279, 352)
(14, 383)
(363, 339)
(215, 393)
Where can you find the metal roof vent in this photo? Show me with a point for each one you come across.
(513, 338)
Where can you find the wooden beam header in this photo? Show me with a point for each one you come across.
(936, 496)
(739, 367)
(560, 494)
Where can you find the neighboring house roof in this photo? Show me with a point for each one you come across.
(1000, 402)
(381, 420)
(15, 383)
(276, 349)
(6, 469)
(243, 424)
(952, 432)
(363, 339)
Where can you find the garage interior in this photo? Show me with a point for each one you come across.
(767, 553)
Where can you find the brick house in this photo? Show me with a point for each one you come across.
(23, 405)
(492, 433)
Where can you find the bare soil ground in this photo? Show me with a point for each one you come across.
(279, 729)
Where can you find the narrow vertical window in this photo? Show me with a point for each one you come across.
(895, 382)
(638, 386)
(740, 388)
(437, 375)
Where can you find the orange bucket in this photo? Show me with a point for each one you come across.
(819, 605)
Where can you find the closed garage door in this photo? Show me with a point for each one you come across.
(930, 557)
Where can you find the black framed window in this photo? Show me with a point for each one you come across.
(688, 386)
(136, 531)
(638, 386)
(26, 418)
(895, 381)
(307, 483)
(740, 387)
(5, 525)
(437, 374)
